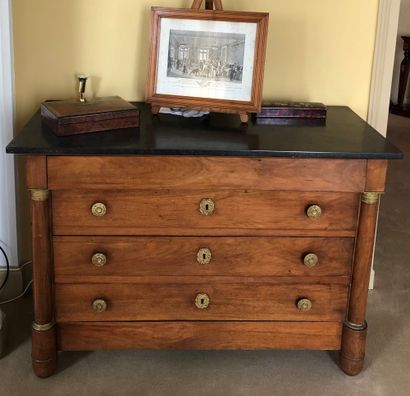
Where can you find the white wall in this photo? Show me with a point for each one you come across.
(404, 29)
(8, 234)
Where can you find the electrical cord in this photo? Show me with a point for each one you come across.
(19, 296)
(14, 269)
(7, 268)
(25, 289)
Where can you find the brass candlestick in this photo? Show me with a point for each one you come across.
(82, 81)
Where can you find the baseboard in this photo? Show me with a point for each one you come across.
(16, 282)
(371, 282)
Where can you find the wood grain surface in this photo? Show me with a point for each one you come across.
(230, 256)
(376, 175)
(36, 171)
(91, 336)
(142, 212)
(44, 353)
(362, 263)
(202, 173)
(352, 353)
(233, 300)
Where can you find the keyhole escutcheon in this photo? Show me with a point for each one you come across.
(204, 256)
(202, 301)
(207, 206)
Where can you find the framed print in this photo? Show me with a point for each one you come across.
(207, 60)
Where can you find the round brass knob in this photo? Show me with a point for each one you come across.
(202, 301)
(314, 211)
(204, 256)
(99, 305)
(310, 260)
(98, 209)
(207, 206)
(304, 305)
(99, 259)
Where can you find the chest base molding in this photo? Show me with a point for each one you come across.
(215, 335)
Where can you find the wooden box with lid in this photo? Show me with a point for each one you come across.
(204, 234)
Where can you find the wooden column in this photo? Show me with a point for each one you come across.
(355, 327)
(44, 352)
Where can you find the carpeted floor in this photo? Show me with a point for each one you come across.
(386, 373)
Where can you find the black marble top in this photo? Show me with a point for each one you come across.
(344, 135)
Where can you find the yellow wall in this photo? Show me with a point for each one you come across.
(318, 50)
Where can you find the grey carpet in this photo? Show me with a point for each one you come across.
(259, 373)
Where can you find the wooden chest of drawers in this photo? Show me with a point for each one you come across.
(201, 252)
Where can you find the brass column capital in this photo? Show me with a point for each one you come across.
(370, 198)
(39, 194)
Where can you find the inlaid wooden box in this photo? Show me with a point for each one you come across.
(72, 117)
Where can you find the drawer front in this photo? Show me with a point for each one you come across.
(187, 212)
(215, 335)
(177, 301)
(103, 257)
(193, 173)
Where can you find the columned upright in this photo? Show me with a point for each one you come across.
(355, 326)
(44, 355)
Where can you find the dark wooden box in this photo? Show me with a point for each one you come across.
(292, 110)
(290, 121)
(71, 117)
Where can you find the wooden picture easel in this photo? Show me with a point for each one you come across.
(209, 4)
(208, 104)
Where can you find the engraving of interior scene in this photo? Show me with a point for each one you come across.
(206, 55)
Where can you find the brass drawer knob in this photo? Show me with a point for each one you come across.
(98, 209)
(304, 305)
(207, 206)
(202, 301)
(310, 260)
(99, 305)
(314, 211)
(204, 256)
(99, 259)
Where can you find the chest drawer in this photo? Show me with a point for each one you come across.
(204, 212)
(104, 257)
(207, 173)
(168, 300)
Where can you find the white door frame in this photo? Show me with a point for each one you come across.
(382, 74)
(8, 227)
(383, 64)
